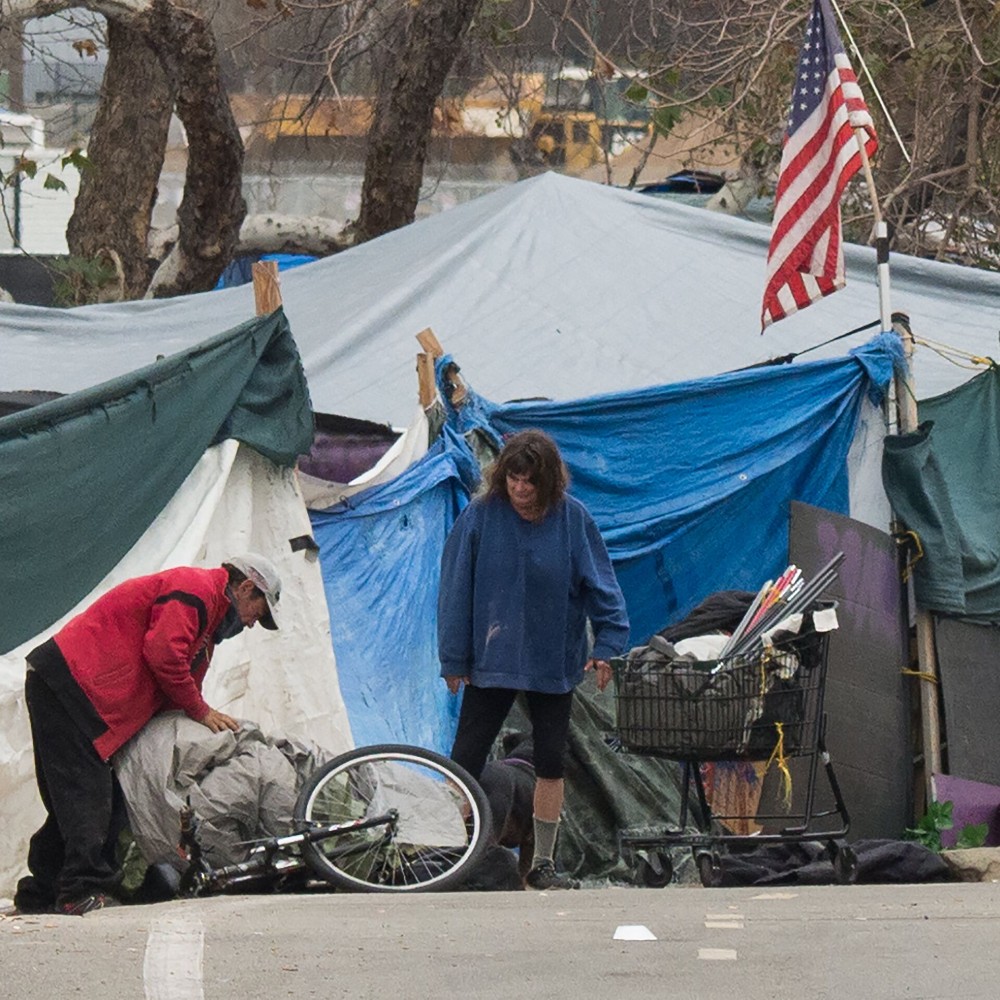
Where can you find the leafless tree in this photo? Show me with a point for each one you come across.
(930, 70)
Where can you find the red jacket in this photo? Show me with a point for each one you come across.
(145, 646)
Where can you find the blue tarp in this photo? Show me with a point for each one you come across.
(689, 483)
(380, 553)
(239, 271)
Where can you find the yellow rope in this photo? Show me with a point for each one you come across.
(902, 537)
(778, 755)
(950, 353)
(922, 674)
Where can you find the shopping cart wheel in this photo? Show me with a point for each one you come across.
(654, 869)
(710, 869)
(845, 863)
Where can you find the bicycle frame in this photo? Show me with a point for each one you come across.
(269, 858)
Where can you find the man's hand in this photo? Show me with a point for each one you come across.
(217, 721)
(455, 683)
(603, 669)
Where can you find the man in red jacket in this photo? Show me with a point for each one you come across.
(143, 647)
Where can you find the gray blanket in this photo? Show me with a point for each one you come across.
(241, 786)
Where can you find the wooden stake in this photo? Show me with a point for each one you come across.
(425, 379)
(930, 718)
(429, 342)
(266, 289)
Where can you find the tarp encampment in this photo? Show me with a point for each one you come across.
(550, 287)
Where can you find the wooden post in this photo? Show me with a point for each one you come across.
(930, 721)
(425, 379)
(906, 407)
(429, 342)
(266, 289)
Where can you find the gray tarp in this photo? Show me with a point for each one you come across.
(550, 287)
(241, 786)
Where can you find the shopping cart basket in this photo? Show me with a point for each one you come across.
(764, 705)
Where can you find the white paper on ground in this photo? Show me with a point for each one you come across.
(633, 932)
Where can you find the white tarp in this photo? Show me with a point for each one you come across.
(550, 287)
(286, 681)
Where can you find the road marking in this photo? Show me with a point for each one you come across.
(717, 954)
(633, 932)
(725, 925)
(172, 967)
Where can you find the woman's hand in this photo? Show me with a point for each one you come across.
(455, 683)
(603, 669)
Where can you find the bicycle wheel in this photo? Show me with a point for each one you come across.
(429, 820)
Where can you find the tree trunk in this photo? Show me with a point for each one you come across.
(113, 209)
(404, 113)
(212, 209)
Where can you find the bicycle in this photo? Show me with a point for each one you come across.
(383, 818)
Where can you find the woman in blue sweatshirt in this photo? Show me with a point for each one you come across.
(523, 570)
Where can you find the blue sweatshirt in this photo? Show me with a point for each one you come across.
(516, 594)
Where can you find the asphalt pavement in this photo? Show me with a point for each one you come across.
(817, 942)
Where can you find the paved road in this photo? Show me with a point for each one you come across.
(837, 942)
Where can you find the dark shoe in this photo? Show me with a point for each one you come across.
(79, 907)
(545, 876)
(33, 896)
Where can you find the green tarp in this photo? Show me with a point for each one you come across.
(943, 481)
(608, 792)
(83, 476)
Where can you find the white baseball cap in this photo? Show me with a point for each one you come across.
(262, 573)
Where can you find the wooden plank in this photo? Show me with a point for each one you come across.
(426, 383)
(429, 342)
(266, 289)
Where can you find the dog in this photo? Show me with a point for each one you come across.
(509, 784)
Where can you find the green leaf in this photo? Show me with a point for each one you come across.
(25, 166)
(77, 158)
(928, 830)
(53, 183)
(666, 117)
(972, 835)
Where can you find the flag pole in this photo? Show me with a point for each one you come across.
(906, 407)
(881, 236)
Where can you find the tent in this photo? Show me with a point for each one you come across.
(550, 287)
(187, 461)
(556, 288)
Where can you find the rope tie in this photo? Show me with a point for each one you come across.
(778, 757)
(912, 540)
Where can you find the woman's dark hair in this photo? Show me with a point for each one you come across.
(533, 454)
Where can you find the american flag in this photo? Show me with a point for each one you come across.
(820, 155)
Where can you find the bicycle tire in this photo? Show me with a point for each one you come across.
(442, 831)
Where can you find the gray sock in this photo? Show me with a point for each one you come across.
(545, 840)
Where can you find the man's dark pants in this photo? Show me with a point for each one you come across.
(72, 855)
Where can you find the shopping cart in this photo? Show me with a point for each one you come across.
(765, 705)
